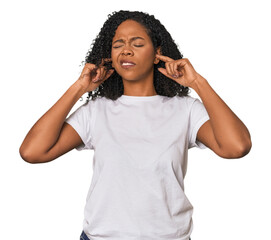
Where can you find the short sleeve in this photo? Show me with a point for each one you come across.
(81, 121)
(198, 116)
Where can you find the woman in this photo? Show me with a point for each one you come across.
(140, 122)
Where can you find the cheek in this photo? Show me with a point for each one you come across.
(113, 58)
(114, 61)
(148, 57)
(149, 52)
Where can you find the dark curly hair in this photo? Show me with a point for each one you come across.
(113, 87)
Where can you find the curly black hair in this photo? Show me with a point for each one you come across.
(100, 48)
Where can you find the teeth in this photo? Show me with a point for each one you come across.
(125, 64)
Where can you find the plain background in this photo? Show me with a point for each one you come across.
(42, 46)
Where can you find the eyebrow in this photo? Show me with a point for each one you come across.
(132, 39)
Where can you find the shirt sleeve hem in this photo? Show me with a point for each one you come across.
(77, 129)
(196, 143)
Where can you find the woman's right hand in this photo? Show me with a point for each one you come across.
(92, 76)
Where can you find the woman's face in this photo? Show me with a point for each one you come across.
(131, 43)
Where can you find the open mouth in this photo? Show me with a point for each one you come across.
(127, 64)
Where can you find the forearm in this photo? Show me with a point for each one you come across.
(228, 129)
(45, 132)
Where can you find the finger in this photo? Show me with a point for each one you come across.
(182, 62)
(105, 60)
(172, 71)
(93, 72)
(88, 68)
(164, 71)
(175, 69)
(169, 72)
(164, 58)
(87, 71)
(104, 72)
(109, 73)
(98, 74)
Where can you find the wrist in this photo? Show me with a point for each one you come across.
(78, 88)
(198, 84)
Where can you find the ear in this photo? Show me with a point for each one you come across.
(158, 51)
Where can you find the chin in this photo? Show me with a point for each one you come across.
(129, 77)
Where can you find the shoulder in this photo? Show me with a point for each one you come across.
(187, 101)
(98, 100)
(88, 106)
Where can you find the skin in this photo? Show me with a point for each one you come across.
(50, 137)
(138, 80)
(224, 133)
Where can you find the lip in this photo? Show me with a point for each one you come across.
(127, 66)
(126, 61)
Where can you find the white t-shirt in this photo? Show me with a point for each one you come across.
(140, 158)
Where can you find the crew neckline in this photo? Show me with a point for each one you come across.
(127, 97)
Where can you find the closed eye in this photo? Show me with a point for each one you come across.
(134, 45)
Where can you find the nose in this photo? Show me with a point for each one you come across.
(127, 51)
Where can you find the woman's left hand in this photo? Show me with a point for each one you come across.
(180, 70)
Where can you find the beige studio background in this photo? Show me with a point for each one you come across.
(42, 45)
